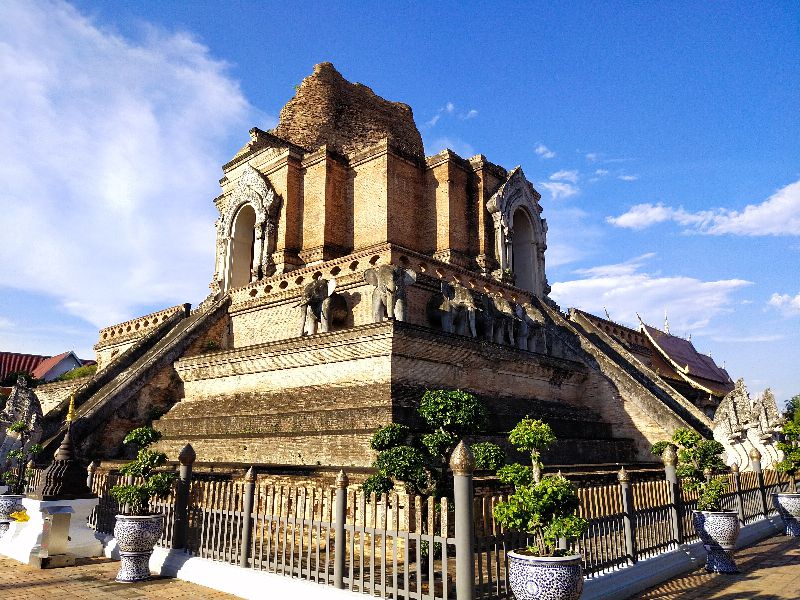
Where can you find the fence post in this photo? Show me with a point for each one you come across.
(247, 514)
(629, 516)
(180, 525)
(737, 488)
(340, 543)
(90, 472)
(670, 458)
(755, 464)
(462, 463)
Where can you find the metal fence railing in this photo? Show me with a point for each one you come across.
(404, 546)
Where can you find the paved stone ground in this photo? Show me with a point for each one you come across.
(91, 578)
(770, 570)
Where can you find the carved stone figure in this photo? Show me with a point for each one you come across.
(389, 295)
(22, 405)
(453, 309)
(320, 306)
(497, 319)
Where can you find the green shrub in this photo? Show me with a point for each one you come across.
(17, 473)
(77, 373)
(699, 462)
(389, 436)
(377, 484)
(488, 455)
(545, 507)
(134, 499)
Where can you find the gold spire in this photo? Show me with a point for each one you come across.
(666, 322)
(71, 409)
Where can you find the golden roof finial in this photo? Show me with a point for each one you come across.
(71, 409)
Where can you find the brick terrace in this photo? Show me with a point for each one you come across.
(91, 578)
(770, 571)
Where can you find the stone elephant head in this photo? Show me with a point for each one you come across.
(389, 295)
(320, 306)
(453, 309)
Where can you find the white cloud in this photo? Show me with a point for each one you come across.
(749, 339)
(592, 156)
(788, 305)
(560, 190)
(572, 235)
(6, 323)
(627, 177)
(564, 175)
(471, 114)
(450, 107)
(544, 152)
(601, 172)
(110, 158)
(434, 120)
(626, 288)
(460, 147)
(777, 215)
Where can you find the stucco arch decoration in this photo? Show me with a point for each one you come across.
(518, 193)
(253, 189)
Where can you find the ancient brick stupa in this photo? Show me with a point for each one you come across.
(351, 273)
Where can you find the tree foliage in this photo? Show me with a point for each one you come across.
(545, 507)
(790, 445)
(792, 413)
(420, 459)
(10, 380)
(77, 373)
(699, 464)
(17, 474)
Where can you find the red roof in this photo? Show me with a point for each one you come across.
(12, 361)
(43, 367)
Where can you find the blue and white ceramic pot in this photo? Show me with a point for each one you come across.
(718, 531)
(545, 578)
(9, 503)
(788, 507)
(136, 536)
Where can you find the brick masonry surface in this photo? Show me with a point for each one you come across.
(770, 570)
(91, 578)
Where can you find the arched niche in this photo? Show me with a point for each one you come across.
(242, 247)
(524, 251)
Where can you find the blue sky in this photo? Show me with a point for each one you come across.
(664, 140)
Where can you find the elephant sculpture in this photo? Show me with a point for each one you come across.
(389, 295)
(454, 309)
(498, 319)
(320, 306)
(529, 331)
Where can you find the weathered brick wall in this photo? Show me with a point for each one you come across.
(50, 395)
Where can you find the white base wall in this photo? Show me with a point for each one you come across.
(24, 539)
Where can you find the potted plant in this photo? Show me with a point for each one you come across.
(788, 504)
(16, 475)
(137, 529)
(545, 508)
(699, 464)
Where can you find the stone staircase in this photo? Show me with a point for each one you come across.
(109, 405)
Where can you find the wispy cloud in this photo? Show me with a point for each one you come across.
(564, 175)
(544, 152)
(627, 177)
(627, 288)
(749, 339)
(110, 160)
(560, 190)
(599, 157)
(777, 215)
(450, 109)
(601, 172)
(6, 323)
(786, 304)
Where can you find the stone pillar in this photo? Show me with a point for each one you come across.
(339, 536)
(737, 488)
(462, 463)
(628, 512)
(247, 516)
(670, 458)
(91, 470)
(755, 464)
(180, 526)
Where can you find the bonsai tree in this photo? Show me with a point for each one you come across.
(420, 459)
(543, 506)
(17, 474)
(790, 446)
(699, 463)
(134, 499)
